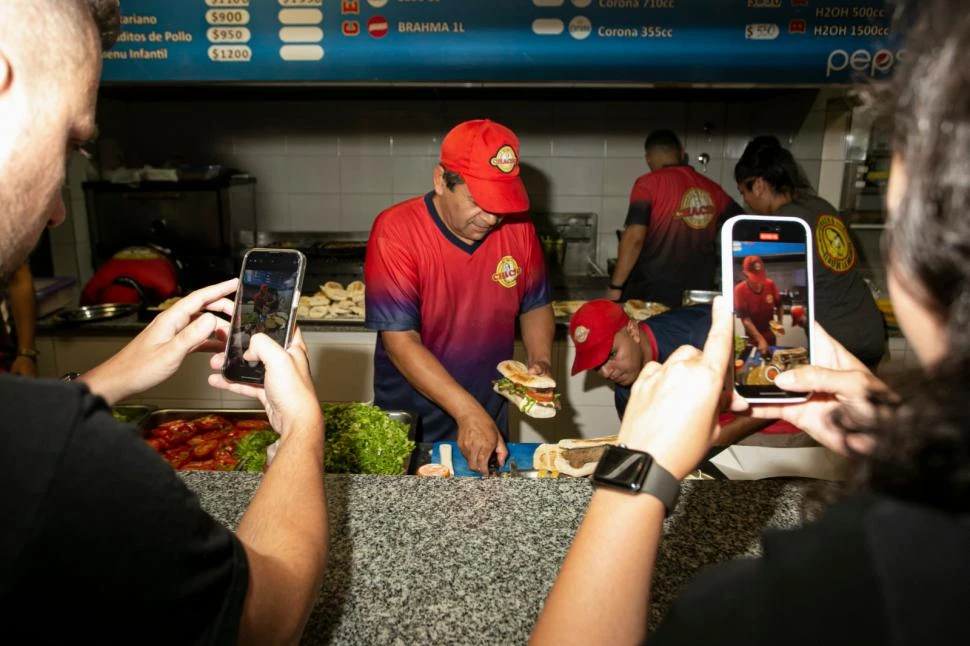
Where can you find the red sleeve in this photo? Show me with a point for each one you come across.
(641, 202)
(537, 292)
(390, 271)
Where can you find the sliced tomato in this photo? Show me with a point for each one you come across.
(542, 396)
(168, 427)
(157, 443)
(224, 464)
(205, 449)
(211, 423)
(180, 435)
(251, 425)
(178, 457)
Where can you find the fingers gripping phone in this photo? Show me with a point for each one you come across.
(766, 273)
(268, 296)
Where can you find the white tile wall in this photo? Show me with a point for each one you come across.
(325, 165)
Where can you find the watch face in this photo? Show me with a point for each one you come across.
(622, 468)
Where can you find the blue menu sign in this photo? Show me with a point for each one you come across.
(788, 42)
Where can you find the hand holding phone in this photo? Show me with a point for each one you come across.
(266, 302)
(767, 277)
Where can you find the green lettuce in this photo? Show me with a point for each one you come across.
(251, 450)
(361, 438)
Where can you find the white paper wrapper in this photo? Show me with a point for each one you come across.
(757, 462)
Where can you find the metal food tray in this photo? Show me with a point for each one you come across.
(161, 416)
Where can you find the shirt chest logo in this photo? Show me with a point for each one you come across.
(507, 272)
(835, 248)
(696, 208)
(770, 299)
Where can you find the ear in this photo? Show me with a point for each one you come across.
(6, 72)
(633, 329)
(438, 178)
(760, 187)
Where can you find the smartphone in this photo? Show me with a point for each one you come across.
(269, 293)
(766, 274)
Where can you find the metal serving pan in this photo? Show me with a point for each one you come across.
(91, 313)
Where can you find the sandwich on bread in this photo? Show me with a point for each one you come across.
(534, 395)
(573, 457)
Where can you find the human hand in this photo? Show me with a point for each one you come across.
(763, 347)
(836, 379)
(478, 438)
(24, 366)
(672, 414)
(287, 392)
(541, 367)
(157, 352)
(614, 294)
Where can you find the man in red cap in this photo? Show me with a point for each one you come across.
(608, 341)
(447, 275)
(757, 303)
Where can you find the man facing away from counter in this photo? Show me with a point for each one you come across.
(99, 533)
(447, 275)
(669, 241)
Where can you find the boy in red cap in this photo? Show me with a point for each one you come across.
(608, 341)
(757, 303)
(447, 275)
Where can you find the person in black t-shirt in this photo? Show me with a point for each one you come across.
(771, 183)
(888, 563)
(98, 533)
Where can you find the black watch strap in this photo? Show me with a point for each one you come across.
(637, 472)
(615, 286)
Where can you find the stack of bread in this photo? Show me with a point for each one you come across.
(641, 310)
(333, 302)
(573, 457)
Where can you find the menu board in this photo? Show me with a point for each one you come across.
(604, 41)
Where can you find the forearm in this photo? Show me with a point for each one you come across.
(538, 330)
(602, 595)
(285, 533)
(23, 305)
(752, 331)
(631, 244)
(423, 371)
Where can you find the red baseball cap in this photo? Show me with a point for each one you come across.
(754, 269)
(592, 329)
(486, 155)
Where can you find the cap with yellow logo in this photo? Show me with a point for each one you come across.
(486, 155)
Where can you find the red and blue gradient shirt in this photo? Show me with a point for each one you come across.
(759, 307)
(462, 298)
(683, 211)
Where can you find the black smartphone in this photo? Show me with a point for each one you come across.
(766, 273)
(269, 292)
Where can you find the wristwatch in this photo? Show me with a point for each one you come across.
(29, 353)
(70, 376)
(637, 472)
(615, 286)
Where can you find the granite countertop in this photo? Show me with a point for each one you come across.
(470, 561)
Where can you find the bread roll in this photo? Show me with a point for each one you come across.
(519, 373)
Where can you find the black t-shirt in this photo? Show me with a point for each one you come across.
(872, 571)
(100, 537)
(843, 303)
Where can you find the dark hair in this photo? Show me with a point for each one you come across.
(922, 447)
(929, 232)
(663, 139)
(452, 179)
(107, 20)
(765, 158)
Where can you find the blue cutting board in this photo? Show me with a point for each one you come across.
(520, 452)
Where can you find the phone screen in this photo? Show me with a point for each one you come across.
(771, 283)
(269, 289)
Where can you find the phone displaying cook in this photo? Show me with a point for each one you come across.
(766, 265)
(269, 292)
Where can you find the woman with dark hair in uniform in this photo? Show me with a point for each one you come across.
(887, 563)
(771, 183)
